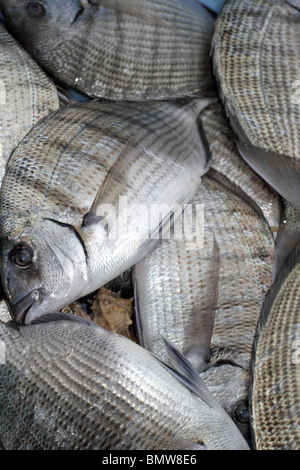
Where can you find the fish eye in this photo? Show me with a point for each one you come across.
(35, 9)
(241, 413)
(22, 256)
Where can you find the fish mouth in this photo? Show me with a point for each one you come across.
(21, 308)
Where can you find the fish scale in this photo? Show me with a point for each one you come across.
(288, 235)
(50, 149)
(28, 95)
(181, 290)
(146, 154)
(230, 169)
(250, 48)
(100, 55)
(276, 379)
(256, 63)
(73, 385)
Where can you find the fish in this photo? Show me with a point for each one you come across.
(4, 312)
(275, 384)
(205, 294)
(133, 50)
(87, 194)
(288, 236)
(229, 168)
(255, 52)
(27, 95)
(213, 5)
(68, 384)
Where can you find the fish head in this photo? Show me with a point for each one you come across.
(35, 24)
(229, 383)
(39, 270)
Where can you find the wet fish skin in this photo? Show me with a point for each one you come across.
(4, 312)
(275, 387)
(288, 236)
(79, 161)
(93, 47)
(256, 62)
(74, 385)
(228, 167)
(26, 95)
(211, 317)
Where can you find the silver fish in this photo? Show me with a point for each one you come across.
(138, 49)
(4, 312)
(26, 95)
(76, 200)
(288, 236)
(256, 48)
(275, 388)
(207, 300)
(69, 384)
(228, 167)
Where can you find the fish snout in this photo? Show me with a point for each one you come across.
(20, 309)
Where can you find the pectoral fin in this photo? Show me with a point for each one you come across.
(115, 182)
(280, 171)
(184, 372)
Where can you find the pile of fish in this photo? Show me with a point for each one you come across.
(157, 144)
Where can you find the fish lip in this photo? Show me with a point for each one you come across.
(20, 309)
